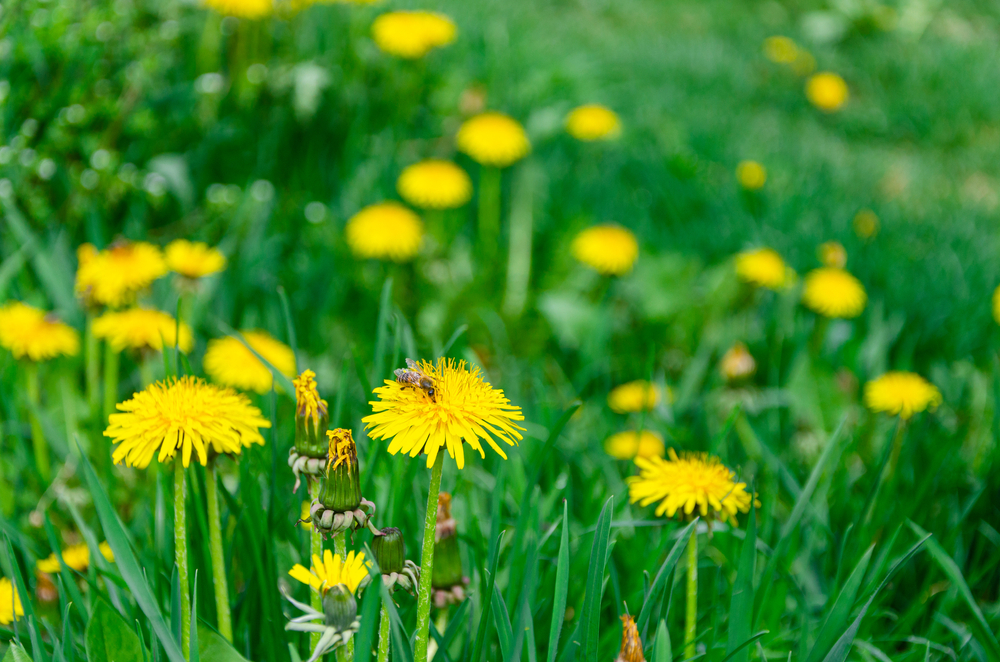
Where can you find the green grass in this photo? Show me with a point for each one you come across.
(837, 573)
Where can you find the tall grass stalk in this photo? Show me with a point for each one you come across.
(180, 553)
(38, 443)
(691, 619)
(92, 352)
(220, 582)
(427, 565)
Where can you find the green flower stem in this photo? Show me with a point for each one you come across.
(225, 618)
(340, 547)
(427, 565)
(38, 443)
(69, 412)
(316, 549)
(383, 636)
(489, 210)
(110, 381)
(181, 555)
(897, 447)
(93, 357)
(691, 621)
(145, 371)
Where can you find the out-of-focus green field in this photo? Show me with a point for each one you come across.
(158, 120)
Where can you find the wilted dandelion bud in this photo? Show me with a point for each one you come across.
(737, 363)
(631, 650)
(832, 254)
(309, 455)
(340, 505)
(391, 556)
(448, 580)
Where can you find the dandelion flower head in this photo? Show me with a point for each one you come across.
(76, 557)
(332, 570)
(631, 444)
(229, 362)
(611, 250)
(765, 268)
(342, 448)
(832, 254)
(114, 276)
(249, 9)
(185, 415)
(435, 184)
(638, 395)
(28, 332)
(412, 34)
(751, 175)
(142, 329)
(10, 602)
(465, 409)
(996, 305)
(781, 50)
(689, 482)
(194, 259)
(827, 91)
(833, 292)
(901, 394)
(493, 139)
(307, 401)
(593, 122)
(385, 231)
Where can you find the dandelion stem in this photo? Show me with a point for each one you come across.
(340, 547)
(69, 412)
(383, 636)
(316, 549)
(180, 553)
(110, 380)
(427, 565)
(691, 621)
(225, 618)
(93, 351)
(38, 443)
(489, 209)
(145, 372)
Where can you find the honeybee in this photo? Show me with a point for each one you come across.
(413, 376)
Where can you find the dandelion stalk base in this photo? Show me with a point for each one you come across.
(691, 620)
(180, 554)
(315, 549)
(225, 619)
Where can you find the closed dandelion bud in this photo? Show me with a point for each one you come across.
(447, 559)
(340, 609)
(311, 417)
(631, 650)
(389, 551)
(342, 489)
(737, 363)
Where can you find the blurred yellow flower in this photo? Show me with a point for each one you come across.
(765, 268)
(780, 50)
(631, 444)
(901, 394)
(412, 34)
(142, 329)
(593, 122)
(76, 557)
(28, 332)
(435, 184)
(865, 224)
(611, 250)
(464, 410)
(832, 254)
(10, 602)
(385, 231)
(751, 175)
(250, 9)
(186, 415)
(691, 481)
(228, 361)
(737, 363)
(114, 276)
(833, 292)
(996, 304)
(827, 91)
(332, 570)
(493, 139)
(194, 259)
(638, 395)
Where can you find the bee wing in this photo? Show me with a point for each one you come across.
(412, 365)
(399, 372)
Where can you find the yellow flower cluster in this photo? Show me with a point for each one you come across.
(901, 394)
(593, 122)
(834, 292)
(751, 175)
(76, 557)
(827, 91)
(248, 9)
(229, 362)
(385, 231)
(412, 34)
(634, 396)
(610, 250)
(765, 268)
(141, 329)
(28, 332)
(10, 602)
(631, 444)
(113, 277)
(194, 259)
(435, 184)
(493, 139)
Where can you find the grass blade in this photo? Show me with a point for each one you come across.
(562, 587)
(841, 610)
(477, 649)
(502, 619)
(590, 617)
(741, 602)
(661, 577)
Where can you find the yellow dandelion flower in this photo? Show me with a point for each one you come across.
(493, 139)
(194, 259)
(385, 231)
(765, 268)
(114, 276)
(593, 122)
(464, 410)
(249, 9)
(751, 175)
(832, 254)
(833, 292)
(781, 50)
(229, 362)
(332, 570)
(631, 444)
(306, 514)
(435, 184)
(183, 415)
(827, 91)
(10, 602)
(737, 363)
(76, 557)
(631, 649)
(996, 305)
(691, 481)
(309, 405)
(28, 332)
(412, 34)
(901, 394)
(865, 224)
(142, 329)
(634, 396)
(610, 250)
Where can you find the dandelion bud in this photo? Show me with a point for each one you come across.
(737, 363)
(389, 551)
(832, 254)
(631, 650)
(342, 489)
(340, 609)
(311, 417)
(447, 560)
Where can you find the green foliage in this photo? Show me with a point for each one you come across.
(110, 638)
